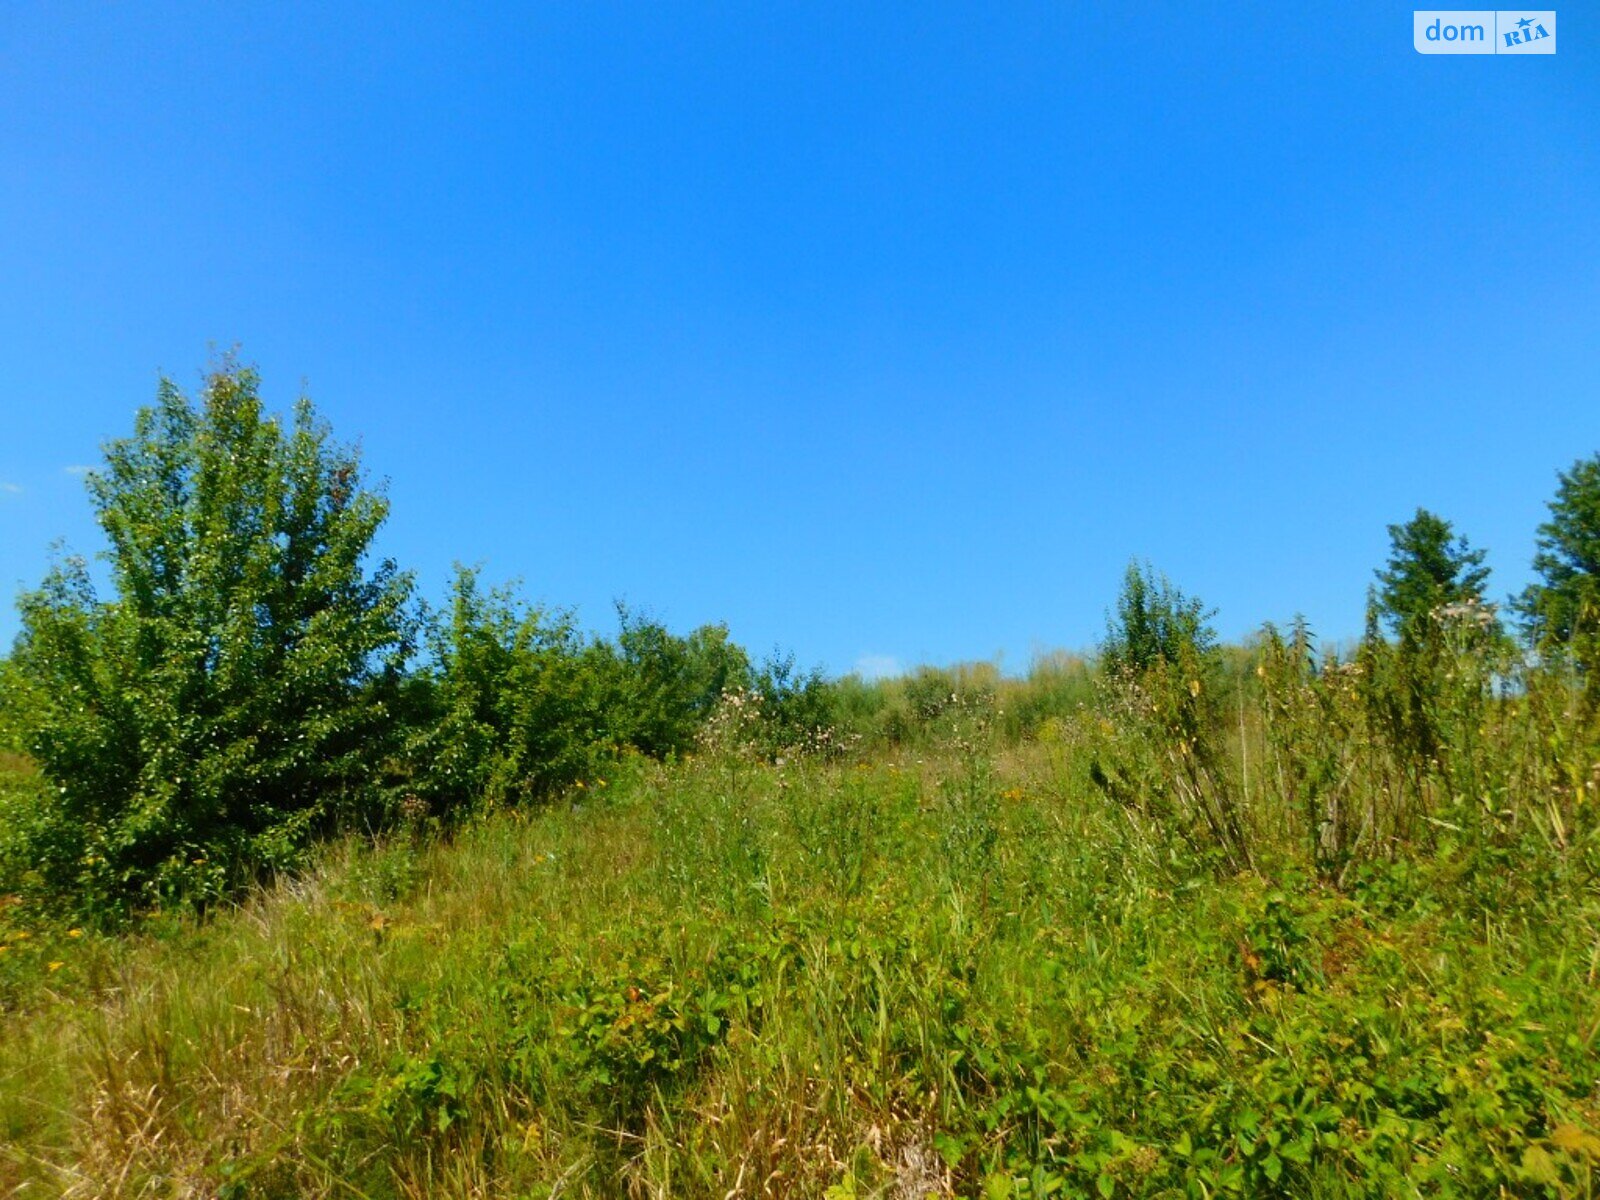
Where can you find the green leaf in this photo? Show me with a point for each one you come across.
(1539, 1167)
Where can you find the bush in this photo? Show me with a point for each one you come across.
(230, 700)
(1155, 622)
(514, 706)
(665, 686)
(797, 707)
(1165, 754)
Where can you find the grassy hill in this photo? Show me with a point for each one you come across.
(957, 967)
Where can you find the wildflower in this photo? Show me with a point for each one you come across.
(57, 965)
(75, 933)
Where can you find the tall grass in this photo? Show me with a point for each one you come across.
(952, 965)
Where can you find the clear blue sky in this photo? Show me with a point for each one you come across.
(879, 332)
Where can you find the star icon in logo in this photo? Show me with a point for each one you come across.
(1525, 22)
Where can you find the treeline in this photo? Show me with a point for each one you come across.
(255, 682)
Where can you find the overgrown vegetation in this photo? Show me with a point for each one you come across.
(233, 697)
(935, 971)
(311, 892)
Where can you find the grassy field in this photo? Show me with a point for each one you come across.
(957, 969)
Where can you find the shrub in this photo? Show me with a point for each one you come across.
(1155, 622)
(515, 702)
(1165, 757)
(665, 686)
(797, 707)
(229, 700)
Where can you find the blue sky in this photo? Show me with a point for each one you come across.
(882, 333)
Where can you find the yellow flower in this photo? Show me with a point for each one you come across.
(74, 933)
(57, 965)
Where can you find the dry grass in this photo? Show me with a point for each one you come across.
(950, 954)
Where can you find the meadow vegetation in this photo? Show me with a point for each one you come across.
(311, 890)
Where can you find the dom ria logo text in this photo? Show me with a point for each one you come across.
(1438, 31)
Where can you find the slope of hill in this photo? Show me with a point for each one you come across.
(964, 971)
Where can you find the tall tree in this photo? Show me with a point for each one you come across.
(231, 696)
(1429, 567)
(1562, 609)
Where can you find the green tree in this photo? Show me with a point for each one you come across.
(1562, 610)
(666, 686)
(1162, 671)
(516, 701)
(1429, 568)
(1155, 622)
(233, 696)
(796, 705)
(1431, 595)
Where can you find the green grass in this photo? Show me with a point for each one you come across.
(958, 971)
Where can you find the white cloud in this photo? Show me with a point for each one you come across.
(878, 666)
(13, 488)
(76, 470)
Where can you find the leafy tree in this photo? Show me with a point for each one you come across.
(1161, 670)
(231, 698)
(1562, 611)
(796, 705)
(517, 703)
(1155, 622)
(1429, 568)
(666, 685)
